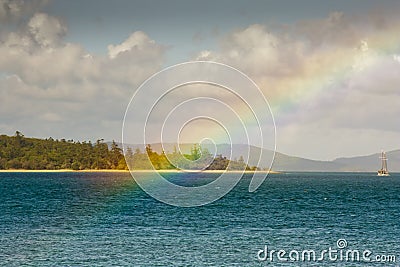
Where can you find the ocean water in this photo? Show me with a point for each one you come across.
(105, 219)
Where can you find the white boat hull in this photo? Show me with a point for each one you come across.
(383, 174)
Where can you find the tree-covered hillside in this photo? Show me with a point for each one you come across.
(20, 152)
(198, 159)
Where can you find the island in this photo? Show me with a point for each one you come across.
(18, 152)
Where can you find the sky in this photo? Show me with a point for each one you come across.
(329, 69)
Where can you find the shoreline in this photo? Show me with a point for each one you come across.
(62, 170)
(127, 171)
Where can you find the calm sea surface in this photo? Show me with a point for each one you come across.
(105, 219)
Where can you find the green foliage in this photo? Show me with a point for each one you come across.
(197, 159)
(20, 152)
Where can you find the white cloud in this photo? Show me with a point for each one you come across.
(253, 49)
(46, 30)
(136, 41)
(396, 58)
(50, 86)
(327, 75)
(328, 79)
(204, 55)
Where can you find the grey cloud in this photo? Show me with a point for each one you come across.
(336, 74)
(50, 86)
(14, 10)
(46, 30)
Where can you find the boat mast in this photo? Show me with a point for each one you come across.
(384, 161)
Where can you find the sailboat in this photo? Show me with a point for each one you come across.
(384, 170)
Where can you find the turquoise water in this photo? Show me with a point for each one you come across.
(104, 219)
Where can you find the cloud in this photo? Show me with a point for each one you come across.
(338, 73)
(49, 86)
(14, 10)
(396, 58)
(253, 49)
(46, 30)
(136, 41)
(328, 79)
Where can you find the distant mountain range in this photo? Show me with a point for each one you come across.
(283, 162)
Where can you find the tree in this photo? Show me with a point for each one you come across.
(115, 155)
(195, 153)
(19, 152)
(129, 157)
(101, 151)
